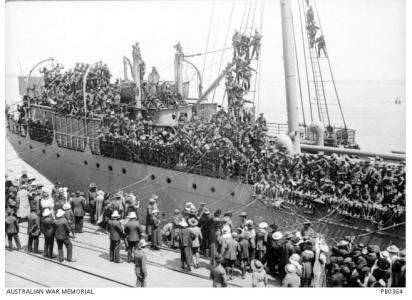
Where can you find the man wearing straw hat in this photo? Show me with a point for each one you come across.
(140, 264)
(47, 228)
(195, 230)
(133, 233)
(185, 238)
(116, 235)
(62, 232)
(149, 215)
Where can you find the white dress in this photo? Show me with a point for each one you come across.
(24, 204)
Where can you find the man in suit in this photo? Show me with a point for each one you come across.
(133, 233)
(285, 252)
(33, 230)
(47, 228)
(116, 235)
(140, 264)
(91, 200)
(62, 232)
(12, 230)
(185, 237)
(78, 204)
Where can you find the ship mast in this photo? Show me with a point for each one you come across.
(179, 68)
(290, 73)
(137, 58)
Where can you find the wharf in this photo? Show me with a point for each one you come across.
(93, 268)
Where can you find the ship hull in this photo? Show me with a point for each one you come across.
(76, 170)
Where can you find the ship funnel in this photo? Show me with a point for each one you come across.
(316, 128)
(284, 142)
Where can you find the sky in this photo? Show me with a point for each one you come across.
(365, 38)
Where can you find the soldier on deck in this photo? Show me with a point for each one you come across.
(236, 43)
(310, 16)
(321, 45)
(261, 122)
(256, 43)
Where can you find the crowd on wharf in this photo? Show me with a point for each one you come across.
(299, 258)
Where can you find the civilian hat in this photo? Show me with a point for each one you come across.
(256, 265)
(393, 249)
(193, 222)
(142, 244)
(218, 258)
(132, 215)
(46, 212)
(277, 235)
(115, 214)
(60, 213)
(290, 268)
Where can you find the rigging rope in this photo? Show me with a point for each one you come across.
(304, 58)
(330, 68)
(257, 83)
(225, 42)
(248, 14)
(208, 37)
(204, 53)
(253, 18)
(244, 15)
(297, 68)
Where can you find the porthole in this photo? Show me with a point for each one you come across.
(232, 194)
(97, 165)
(194, 186)
(212, 189)
(152, 177)
(110, 168)
(58, 155)
(30, 146)
(19, 143)
(124, 171)
(168, 180)
(44, 151)
(85, 162)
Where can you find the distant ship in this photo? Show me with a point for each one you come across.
(72, 155)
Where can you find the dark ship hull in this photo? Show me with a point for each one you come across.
(77, 169)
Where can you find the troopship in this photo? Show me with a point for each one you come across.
(69, 149)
